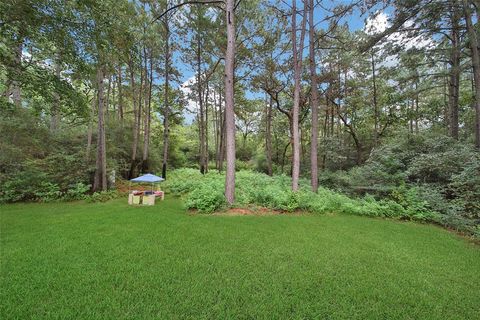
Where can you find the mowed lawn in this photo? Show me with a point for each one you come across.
(114, 261)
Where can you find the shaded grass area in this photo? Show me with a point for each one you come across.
(114, 261)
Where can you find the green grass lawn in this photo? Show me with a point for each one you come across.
(114, 261)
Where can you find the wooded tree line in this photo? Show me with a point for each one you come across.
(283, 87)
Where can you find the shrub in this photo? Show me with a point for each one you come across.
(33, 185)
(465, 187)
(102, 196)
(23, 186)
(77, 191)
(9, 192)
(47, 192)
(206, 198)
(427, 174)
(414, 205)
(205, 193)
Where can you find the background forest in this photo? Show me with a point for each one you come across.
(377, 102)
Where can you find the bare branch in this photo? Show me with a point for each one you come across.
(186, 3)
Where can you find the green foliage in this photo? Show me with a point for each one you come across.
(423, 173)
(205, 193)
(411, 201)
(102, 196)
(78, 191)
(465, 187)
(34, 186)
(48, 192)
(22, 186)
(244, 165)
(206, 198)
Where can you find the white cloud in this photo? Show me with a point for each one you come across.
(379, 22)
(376, 23)
(191, 106)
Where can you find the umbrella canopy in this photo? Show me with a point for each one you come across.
(148, 178)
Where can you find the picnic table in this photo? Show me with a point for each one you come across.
(145, 197)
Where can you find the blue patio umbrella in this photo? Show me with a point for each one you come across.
(149, 178)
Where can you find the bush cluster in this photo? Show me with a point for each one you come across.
(103, 196)
(205, 194)
(441, 174)
(34, 186)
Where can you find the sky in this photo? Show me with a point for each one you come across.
(355, 21)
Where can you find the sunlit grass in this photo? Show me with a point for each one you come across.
(111, 260)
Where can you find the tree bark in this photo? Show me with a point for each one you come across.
(222, 147)
(206, 155)
(476, 68)
(15, 90)
(166, 108)
(54, 120)
(446, 105)
(375, 104)
(135, 121)
(297, 61)
(107, 100)
(325, 135)
(454, 72)
(229, 102)
(417, 97)
(90, 131)
(148, 104)
(268, 137)
(411, 114)
(120, 94)
(100, 180)
(215, 127)
(201, 116)
(313, 101)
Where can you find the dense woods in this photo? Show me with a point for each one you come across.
(361, 97)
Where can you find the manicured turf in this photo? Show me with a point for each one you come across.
(113, 261)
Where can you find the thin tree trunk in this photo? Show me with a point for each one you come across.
(206, 158)
(114, 97)
(215, 127)
(166, 108)
(201, 116)
(454, 72)
(375, 104)
(476, 68)
(313, 101)
(148, 103)
(284, 154)
(222, 147)
(446, 106)
(332, 120)
(100, 180)
(416, 107)
(90, 130)
(54, 120)
(229, 102)
(107, 100)
(218, 130)
(120, 94)
(133, 158)
(325, 135)
(412, 108)
(15, 90)
(297, 61)
(268, 136)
